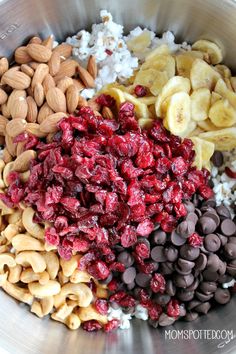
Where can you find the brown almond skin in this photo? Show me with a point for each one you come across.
(56, 100)
(36, 40)
(85, 77)
(4, 65)
(3, 123)
(41, 72)
(107, 113)
(34, 128)
(39, 53)
(22, 162)
(49, 125)
(48, 42)
(32, 110)
(15, 127)
(6, 156)
(11, 147)
(48, 83)
(3, 96)
(64, 83)
(18, 108)
(67, 68)
(64, 50)
(92, 66)
(26, 69)
(16, 79)
(39, 94)
(22, 56)
(44, 112)
(54, 63)
(72, 96)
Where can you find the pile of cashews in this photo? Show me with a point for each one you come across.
(32, 272)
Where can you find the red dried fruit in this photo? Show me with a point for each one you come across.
(142, 250)
(145, 228)
(127, 301)
(140, 90)
(99, 270)
(105, 100)
(91, 326)
(173, 309)
(205, 191)
(158, 283)
(128, 236)
(51, 236)
(230, 173)
(195, 240)
(101, 306)
(154, 311)
(111, 325)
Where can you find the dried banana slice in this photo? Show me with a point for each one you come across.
(200, 104)
(222, 89)
(146, 77)
(184, 64)
(198, 152)
(145, 122)
(141, 109)
(203, 75)
(139, 43)
(224, 139)
(196, 132)
(233, 82)
(207, 125)
(191, 127)
(175, 84)
(162, 49)
(222, 114)
(215, 97)
(161, 63)
(204, 151)
(223, 70)
(213, 50)
(178, 113)
(160, 81)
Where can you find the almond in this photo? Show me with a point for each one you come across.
(16, 79)
(67, 68)
(5, 110)
(34, 65)
(11, 147)
(107, 113)
(40, 73)
(48, 83)
(36, 40)
(3, 123)
(15, 95)
(26, 69)
(49, 125)
(56, 100)
(54, 63)
(39, 94)
(92, 66)
(44, 112)
(22, 56)
(32, 112)
(82, 102)
(15, 127)
(30, 91)
(72, 96)
(79, 84)
(34, 128)
(39, 53)
(4, 65)
(64, 50)
(6, 156)
(22, 162)
(18, 108)
(20, 147)
(86, 78)
(3, 96)
(48, 42)
(63, 84)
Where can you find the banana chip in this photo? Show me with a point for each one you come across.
(200, 104)
(204, 151)
(215, 53)
(215, 97)
(221, 89)
(146, 77)
(224, 139)
(184, 64)
(222, 114)
(162, 49)
(223, 70)
(233, 82)
(139, 43)
(160, 81)
(203, 75)
(198, 152)
(207, 125)
(161, 63)
(145, 122)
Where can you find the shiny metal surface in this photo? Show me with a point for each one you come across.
(20, 331)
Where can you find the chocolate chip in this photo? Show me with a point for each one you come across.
(230, 250)
(192, 217)
(143, 280)
(193, 303)
(171, 253)
(225, 278)
(165, 320)
(222, 296)
(126, 258)
(153, 323)
(198, 212)
(183, 281)
(194, 285)
(211, 202)
(222, 268)
(188, 252)
(208, 287)
(157, 254)
(232, 240)
(223, 212)
(170, 287)
(180, 271)
(203, 308)
(191, 316)
(207, 225)
(209, 275)
(189, 206)
(166, 268)
(212, 243)
(217, 158)
(131, 286)
(176, 239)
(223, 239)
(213, 262)
(162, 299)
(213, 216)
(203, 297)
(228, 227)
(231, 269)
(184, 264)
(201, 262)
(129, 275)
(185, 228)
(182, 310)
(185, 295)
(159, 237)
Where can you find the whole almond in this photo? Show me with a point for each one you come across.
(93, 104)
(39, 94)
(67, 68)
(5, 110)
(48, 83)
(3, 123)
(40, 73)
(18, 108)
(39, 53)
(79, 84)
(34, 65)
(34, 128)
(92, 66)
(48, 42)
(3, 96)
(15, 127)
(49, 138)
(64, 83)
(4, 65)
(22, 162)
(22, 56)
(32, 112)
(56, 100)
(27, 70)
(85, 77)
(49, 125)
(82, 102)
(15, 95)
(44, 112)
(72, 96)
(54, 63)
(107, 113)
(20, 147)
(11, 147)
(16, 79)
(30, 91)
(64, 50)
(36, 40)
(6, 156)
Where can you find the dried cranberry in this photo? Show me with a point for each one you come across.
(99, 270)
(158, 283)
(173, 309)
(128, 236)
(140, 90)
(205, 191)
(105, 100)
(154, 311)
(101, 306)
(195, 240)
(142, 250)
(111, 325)
(145, 228)
(91, 326)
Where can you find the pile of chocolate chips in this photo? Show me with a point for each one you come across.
(195, 259)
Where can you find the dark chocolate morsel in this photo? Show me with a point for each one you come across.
(170, 287)
(209, 275)
(129, 275)
(194, 285)
(157, 254)
(161, 299)
(207, 225)
(192, 217)
(213, 262)
(212, 243)
(208, 287)
(222, 296)
(223, 239)
(201, 262)
(193, 303)
(230, 250)
(166, 268)
(126, 258)
(171, 253)
(217, 158)
(159, 237)
(183, 281)
(203, 297)
(176, 239)
(165, 320)
(184, 295)
(191, 316)
(213, 216)
(203, 308)
(143, 280)
(223, 212)
(228, 227)
(189, 206)
(222, 268)
(189, 252)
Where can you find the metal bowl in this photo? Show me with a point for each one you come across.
(20, 331)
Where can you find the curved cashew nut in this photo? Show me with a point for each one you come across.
(28, 276)
(4, 249)
(2, 165)
(8, 260)
(24, 176)
(5, 209)
(101, 293)
(10, 231)
(79, 276)
(68, 267)
(3, 278)
(23, 242)
(18, 293)
(89, 313)
(14, 274)
(15, 217)
(43, 307)
(64, 315)
(7, 169)
(62, 278)
(52, 264)
(49, 248)
(51, 288)
(34, 229)
(82, 292)
(33, 259)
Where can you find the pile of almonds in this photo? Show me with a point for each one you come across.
(42, 86)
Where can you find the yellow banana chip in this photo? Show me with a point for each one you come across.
(224, 139)
(222, 114)
(139, 43)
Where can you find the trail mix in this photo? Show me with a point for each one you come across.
(117, 178)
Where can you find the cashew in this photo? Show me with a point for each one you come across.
(5, 209)
(6, 259)
(51, 288)
(18, 293)
(43, 307)
(28, 276)
(79, 276)
(33, 259)
(63, 311)
(44, 278)
(14, 274)
(10, 231)
(15, 217)
(7, 169)
(4, 249)
(52, 264)
(49, 248)
(68, 267)
(33, 228)
(65, 315)
(2, 165)
(3, 278)
(89, 313)
(62, 278)
(24, 242)
(24, 176)
(82, 292)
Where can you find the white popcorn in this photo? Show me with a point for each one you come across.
(141, 312)
(229, 284)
